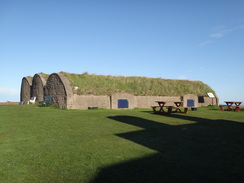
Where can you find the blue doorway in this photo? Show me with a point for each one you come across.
(190, 103)
(123, 103)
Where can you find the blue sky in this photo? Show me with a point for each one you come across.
(172, 39)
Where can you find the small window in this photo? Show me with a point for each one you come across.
(200, 99)
(123, 103)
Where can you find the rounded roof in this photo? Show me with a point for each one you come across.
(28, 79)
(65, 82)
(43, 77)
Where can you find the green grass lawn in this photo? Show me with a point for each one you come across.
(45, 144)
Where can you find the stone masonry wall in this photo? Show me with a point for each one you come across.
(115, 97)
(111, 102)
(148, 101)
(86, 101)
(205, 101)
(56, 90)
(58, 87)
(190, 96)
(25, 93)
(38, 84)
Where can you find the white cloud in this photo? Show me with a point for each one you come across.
(8, 91)
(204, 43)
(222, 32)
(219, 32)
(217, 35)
(8, 94)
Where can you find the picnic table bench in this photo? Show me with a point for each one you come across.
(237, 108)
(162, 108)
(229, 105)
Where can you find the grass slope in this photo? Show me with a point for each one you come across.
(45, 76)
(45, 144)
(143, 86)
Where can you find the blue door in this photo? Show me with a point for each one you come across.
(123, 103)
(190, 103)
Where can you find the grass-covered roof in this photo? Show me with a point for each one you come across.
(45, 76)
(140, 86)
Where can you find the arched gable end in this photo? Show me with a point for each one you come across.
(38, 84)
(26, 90)
(59, 89)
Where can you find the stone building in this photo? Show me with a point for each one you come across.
(62, 94)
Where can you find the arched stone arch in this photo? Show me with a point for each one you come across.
(58, 87)
(26, 90)
(38, 85)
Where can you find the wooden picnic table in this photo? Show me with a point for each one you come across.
(231, 103)
(162, 107)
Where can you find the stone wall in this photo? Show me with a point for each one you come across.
(111, 102)
(148, 101)
(38, 85)
(205, 101)
(25, 93)
(115, 97)
(199, 100)
(192, 97)
(90, 101)
(59, 89)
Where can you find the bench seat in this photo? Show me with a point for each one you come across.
(234, 108)
(238, 108)
(178, 109)
(170, 109)
(157, 111)
(155, 108)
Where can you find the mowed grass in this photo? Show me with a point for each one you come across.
(45, 144)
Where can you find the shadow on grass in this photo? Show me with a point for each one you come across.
(204, 151)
